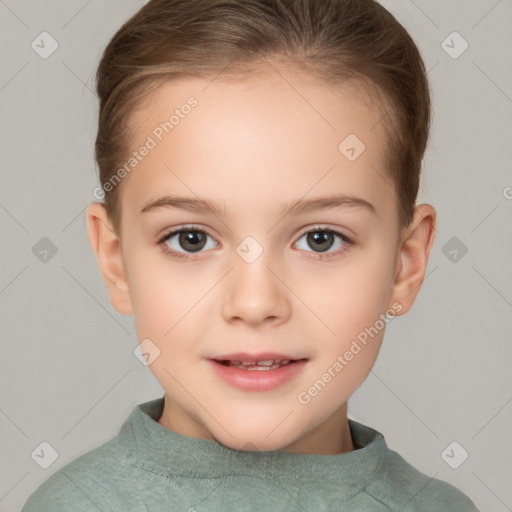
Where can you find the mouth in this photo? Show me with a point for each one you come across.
(257, 372)
(262, 361)
(259, 365)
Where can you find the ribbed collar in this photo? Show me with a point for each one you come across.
(152, 446)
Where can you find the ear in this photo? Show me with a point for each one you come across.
(107, 247)
(416, 241)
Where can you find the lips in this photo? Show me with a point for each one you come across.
(264, 371)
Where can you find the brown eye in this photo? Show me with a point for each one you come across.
(184, 241)
(321, 240)
(192, 241)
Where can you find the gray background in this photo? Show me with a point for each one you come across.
(69, 375)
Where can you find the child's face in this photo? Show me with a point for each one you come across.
(256, 283)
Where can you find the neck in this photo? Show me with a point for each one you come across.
(331, 437)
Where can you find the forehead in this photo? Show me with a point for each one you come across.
(276, 88)
(273, 136)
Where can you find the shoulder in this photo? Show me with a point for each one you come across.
(80, 486)
(415, 491)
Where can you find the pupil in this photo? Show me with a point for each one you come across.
(320, 239)
(196, 240)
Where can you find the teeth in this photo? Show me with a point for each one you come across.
(270, 364)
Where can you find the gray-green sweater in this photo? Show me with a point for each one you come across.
(147, 467)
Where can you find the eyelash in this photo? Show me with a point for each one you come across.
(319, 256)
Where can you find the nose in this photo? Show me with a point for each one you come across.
(255, 293)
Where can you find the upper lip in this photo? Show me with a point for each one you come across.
(262, 356)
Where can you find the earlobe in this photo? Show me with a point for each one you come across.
(417, 241)
(107, 247)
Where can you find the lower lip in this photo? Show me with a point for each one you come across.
(257, 380)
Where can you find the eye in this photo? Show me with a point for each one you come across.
(189, 238)
(193, 239)
(323, 239)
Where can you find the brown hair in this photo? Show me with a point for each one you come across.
(334, 40)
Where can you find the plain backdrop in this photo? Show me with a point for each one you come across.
(69, 376)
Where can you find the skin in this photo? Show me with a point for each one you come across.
(253, 146)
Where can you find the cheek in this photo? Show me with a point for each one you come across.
(353, 306)
(161, 293)
(352, 296)
(166, 309)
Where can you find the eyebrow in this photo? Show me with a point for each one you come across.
(295, 207)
